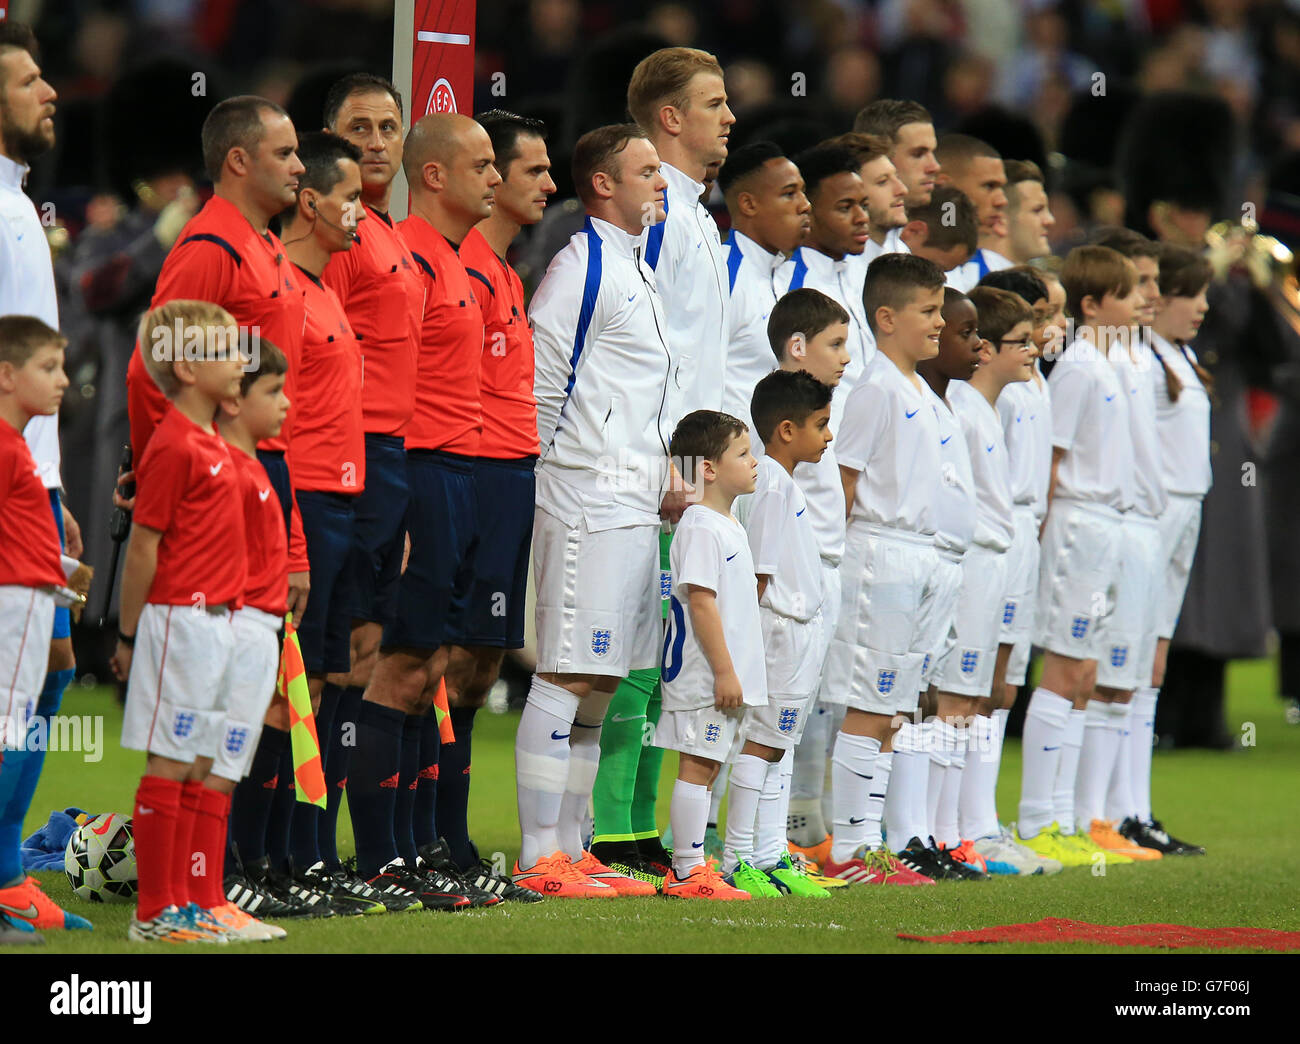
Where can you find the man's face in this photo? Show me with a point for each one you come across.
(341, 208)
(527, 184)
(706, 120)
(273, 165)
(1148, 287)
(984, 181)
(783, 215)
(959, 341)
(38, 384)
(1030, 222)
(26, 107)
(913, 155)
(637, 185)
(370, 120)
(471, 179)
(839, 215)
(886, 195)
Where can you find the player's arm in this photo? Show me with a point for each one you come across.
(299, 567)
(562, 335)
(763, 580)
(706, 621)
(849, 480)
(137, 578)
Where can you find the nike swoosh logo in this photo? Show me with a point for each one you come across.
(557, 736)
(215, 469)
(1051, 748)
(27, 914)
(944, 442)
(262, 494)
(800, 512)
(855, 822)
(861, 776)
(730, 557)
(102, 830)
(912, 414)
(989, 447)
(618, 719)
(632, 298)
(1021, 417)
(1109, 397)
(697, 844)
(1033, 416)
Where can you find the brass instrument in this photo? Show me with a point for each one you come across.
(1267, 261)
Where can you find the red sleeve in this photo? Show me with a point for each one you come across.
(341, 272)
(161, 478)
(298, 562)
(196, 270)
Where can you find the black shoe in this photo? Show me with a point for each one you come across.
(652, 850)
(639, 868)
(435, 860)
(434, 894)
(303, 886)
(259, 877)
(390, 892)
(955, 871)
(345, 889)
(485, 878)
(1152, 834)
(922, 860)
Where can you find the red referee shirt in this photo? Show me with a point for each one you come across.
(220, 257)
(329, 448)
(29, 540)
(383, 295)
(509, 407)
(448, 414)
(267, 587)
(189, 492)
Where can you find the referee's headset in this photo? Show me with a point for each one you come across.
(351, 233)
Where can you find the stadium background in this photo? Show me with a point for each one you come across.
(1056, 83)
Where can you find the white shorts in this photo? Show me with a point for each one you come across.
(794, 651)
(179, 687)
(599, 606)
(1180, 527)
(705, 733)
(253, 672)
(1129, 651)
(967, 667)
(26, 629)
(1076, 578)
(937, 625)
(889, 584)
(1017, 617)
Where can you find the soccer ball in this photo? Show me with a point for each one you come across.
(100, 859)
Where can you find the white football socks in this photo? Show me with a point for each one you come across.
(718, 792)
(542, 767)
(1142, 736)
(584, 763)
(939, 745)
(1096, 763)
(908, 783)
(1045, 721)
(1120, 803)
(689, 815)
(853, 768)
(1067, 772)
(769, 833)
(946, 832)
(747, 776)
(977, 805)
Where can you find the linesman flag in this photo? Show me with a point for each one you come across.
(308, 772)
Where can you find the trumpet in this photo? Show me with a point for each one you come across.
(1268, 262)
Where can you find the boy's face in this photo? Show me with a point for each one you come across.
(839, 215)
(215, 379)
(1148, 286)
(1056, 313)
(265, 406)
(1013, 360)
(38, 383)
(1042, 320)
(736, 469)
(825, 357)
(1118, 310)
(812, 436)
(919, 323)
(959, 341)
(1182, 316)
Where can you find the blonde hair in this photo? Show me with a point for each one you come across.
(155, 331)
(661, 79)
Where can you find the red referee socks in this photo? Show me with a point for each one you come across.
(157, 810)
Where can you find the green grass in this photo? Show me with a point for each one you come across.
(1240, 806)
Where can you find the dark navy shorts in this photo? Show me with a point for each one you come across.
(325, 632)
(62, 615)
(442, 520)
(492, 613)
(277, 470)
(379, 533)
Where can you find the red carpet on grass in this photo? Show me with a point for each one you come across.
(1170, 936)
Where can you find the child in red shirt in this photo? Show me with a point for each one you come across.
(31, 570)
(185, 574)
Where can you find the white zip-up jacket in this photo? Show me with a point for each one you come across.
(608, 386)
(685, 252)
(754, 276)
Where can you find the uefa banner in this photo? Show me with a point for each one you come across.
(433, 61)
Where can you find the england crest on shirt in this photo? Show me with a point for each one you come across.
(1079, 627)
(184, 724)
(236, 740)
(969, 661)
(600, 640)
(1118, 655)
(885, 681)
(787, 719)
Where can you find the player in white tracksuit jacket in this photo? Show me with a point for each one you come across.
(609, 394)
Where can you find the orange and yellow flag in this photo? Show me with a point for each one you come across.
(443, 710)
(308, 772)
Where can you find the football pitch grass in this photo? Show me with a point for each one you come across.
(1240, 805)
